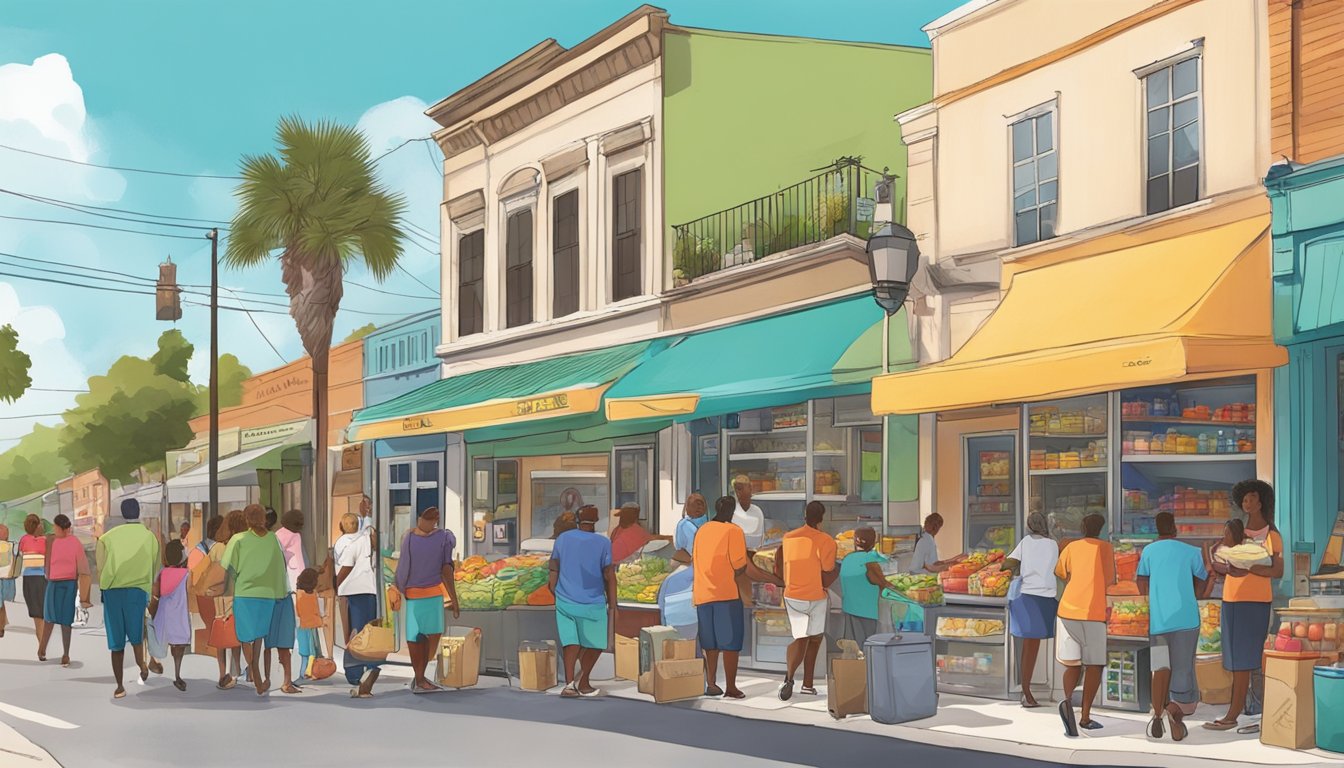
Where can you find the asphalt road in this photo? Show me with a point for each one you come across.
(156, 726)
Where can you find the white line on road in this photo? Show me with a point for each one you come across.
(36, 717)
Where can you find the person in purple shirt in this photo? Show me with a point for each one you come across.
(424, 573)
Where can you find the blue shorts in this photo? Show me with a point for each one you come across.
(424, 617)
(124, 616)
(363, 609)
(252, 617)
(581, 624)
(307, 642)
(722, 625)
(284, 628)
(58, 606)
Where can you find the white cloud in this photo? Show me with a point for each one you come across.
(42, 338)
(414, 170)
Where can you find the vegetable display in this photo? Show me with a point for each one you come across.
(483, 585)
(1210, 627)
(638, 582)
(957, 578)
(920, 588)
(949, 626)
(1129, 618)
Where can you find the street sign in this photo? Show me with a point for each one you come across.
(864, 208)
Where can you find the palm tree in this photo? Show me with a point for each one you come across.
(319, 204)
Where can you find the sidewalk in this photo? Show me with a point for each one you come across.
(16, 750)
(998, 726)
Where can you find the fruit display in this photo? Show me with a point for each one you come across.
(517, 580)
(1128, 618)
(1051, 420)
(957, 578)
(990, 581)
(1210, 627)
(1123, 589)
(995, 465)
(1316, 631)
(919, 588)
(638, 582)
(951, 626)
(1001, 536)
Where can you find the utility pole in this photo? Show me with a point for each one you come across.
(213, 237)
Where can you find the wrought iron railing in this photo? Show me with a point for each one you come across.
(839, 200)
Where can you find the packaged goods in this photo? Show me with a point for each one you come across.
(847, 687)
(459, 661)
(950, 626)
(537, 666)
(627, 657)
(1210, 627)
(678, 680)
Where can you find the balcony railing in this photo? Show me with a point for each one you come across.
(837, 201)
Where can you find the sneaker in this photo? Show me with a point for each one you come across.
(786, 690)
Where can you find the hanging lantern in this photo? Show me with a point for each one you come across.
(167, 294)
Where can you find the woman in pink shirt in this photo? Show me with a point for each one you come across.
(67, 570)
(33, 548)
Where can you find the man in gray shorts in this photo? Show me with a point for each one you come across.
(1171, 573)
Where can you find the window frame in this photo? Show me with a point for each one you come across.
(478, 231)
(1050, 108)
(565, 187)
(1195, 52)
(618, 172)
(512, 211)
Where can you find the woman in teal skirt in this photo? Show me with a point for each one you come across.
(424, 574)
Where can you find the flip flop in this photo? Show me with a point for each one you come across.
(1179, 730)
(596, 692)
(1066, 714)
(570, 692)
(786, 690)
(290, 689)
(228, 683)
(355, 694)
(810, 690)
(713, 690)
(121, 694)
(735, 695)
(1220, 725)
(1156, 729)
(180, 685)
(1028, 705)
(1090, 725)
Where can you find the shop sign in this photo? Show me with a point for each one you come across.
(416, 423)
(542, 405)
(252, 438)
(864, 208)
(280, 387)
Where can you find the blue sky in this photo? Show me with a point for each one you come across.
(189, 87)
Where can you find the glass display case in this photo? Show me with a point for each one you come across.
(639, 576)
(971, 647)
(555, 491)
(1069, 467)
(991, 491)
(1183, 447)
(1127, 678)
(770, 639)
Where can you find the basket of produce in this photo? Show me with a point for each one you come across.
(991, 581)
(638, 582)
(951, 626)
(1126, 562)
(954, 584)
(921, 588)
(517, 580)
(1243, 556)
(1306, 628)
(1128, 618)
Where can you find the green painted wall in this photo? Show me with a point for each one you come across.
(745, 115)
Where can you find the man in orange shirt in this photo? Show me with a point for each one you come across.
(1088, 565)
(806, 561)
(718, 557)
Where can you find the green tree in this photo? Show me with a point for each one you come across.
(34, 464)
(320, 205)
(360, 332)
(14, 366)
(173, 356)
(232, 374)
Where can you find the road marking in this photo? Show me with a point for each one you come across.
(21, 754)
(36, 717)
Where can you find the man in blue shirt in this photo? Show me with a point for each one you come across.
(584, 584)
(1171, 573)
(683, 538)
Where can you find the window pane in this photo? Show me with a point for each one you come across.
(1158, 199)
(1025, 200)
(1026, 227)
(470, 267)
(1158, 147)
(1047, 166)
(426, 498)
(1184, 112)
(1185, 186)
(1021, 140)
(1185, 79)
(1185, 146)
(1047, 221)
(1045, 135)
(427, 471)
(1024, 178)
(1158, 91)
(1049, 191)
(565, 257)
(627, 250)
(400, 473)
(518, 276)
(1159, 121)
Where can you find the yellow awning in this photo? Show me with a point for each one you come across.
(1185, 306)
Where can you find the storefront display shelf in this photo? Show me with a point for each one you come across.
(996, 640)
(1078, 471)
(768, 432)
(1181, 458)
(1187, 422)
(776, 455)
(976, 600)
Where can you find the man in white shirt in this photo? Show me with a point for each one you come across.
(748, 516)
(357, 583)
(365, 513)
(925, 558)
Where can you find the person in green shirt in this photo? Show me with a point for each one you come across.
(860, 581)
(261, 605)
(128, 560)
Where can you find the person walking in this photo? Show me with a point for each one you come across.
(806, 563)
(33, 549)
(861, 582)
(169, 607)
(200, 595)
(628, 537)
(235, 523)
(309, 613)
(357, 585)
(719, 558)
(67, 574)
(290, 537)
(1032, 613)
(10, 562)
(128, 560)
(1088, 567)
(583, 580)
(1247, 594)
(1171, 574)
(262, 611)
(424, 573)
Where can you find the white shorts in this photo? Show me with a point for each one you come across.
(807, 618)
(1080, 642)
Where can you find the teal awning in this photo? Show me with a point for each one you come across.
(777, 360)
(523, 394)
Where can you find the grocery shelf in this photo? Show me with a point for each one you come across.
(983, 640)
(995, 478)
(1181, 458)
(1186, 422)
(1210, 519)
(768, 455)
(1136, 639)
(955, 598)
(1068, 435)
(776, 431)
(1079, 471)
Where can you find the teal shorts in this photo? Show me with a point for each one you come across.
(424, 617)
(582, 624)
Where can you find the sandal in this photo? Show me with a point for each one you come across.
(735, 694)
(291, 689)
(570, 692)
(786, 690)
(180, 685)
(1220, 725)
(120, 693)
(1178, 728)
(1066, 714)
(810, 690)
(713, 690)
(225, 683)
(1090, 725)
(1156, 730)
(355, 694)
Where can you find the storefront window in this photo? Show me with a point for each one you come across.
(1068, 466)
(412, 485)
(991, 491)
(634, 482)
(707, 459)
(555, 492)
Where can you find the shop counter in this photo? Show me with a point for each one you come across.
(632, 617)
(972, 647)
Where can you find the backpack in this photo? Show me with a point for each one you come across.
(10, 566)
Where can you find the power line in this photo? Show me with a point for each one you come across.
(49, 389)
(438, 167)
(100, 226)
(76, 207)
(399, 146)
(32, 416)
(121, 168)
(76, 266)
(73, 274)
(393, 293)
(258, 327)
(418, 280)
(431, 237)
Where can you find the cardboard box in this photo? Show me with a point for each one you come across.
(1215, 683)
(678, 650)
(200, 643)
(651, 642)
(536, 667)
(627, 658)
(459, 664)
(678, 680)
(1290, 705)
(847, 688)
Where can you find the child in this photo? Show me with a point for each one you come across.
(310, 619)
(1234, 534)
(168, 607)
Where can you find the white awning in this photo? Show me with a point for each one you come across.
(237, 473)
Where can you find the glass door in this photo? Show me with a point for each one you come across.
(991, 491)
(632, 482)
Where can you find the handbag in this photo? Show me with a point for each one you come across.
(374, 642)
(223, 635)
(1015, 588)
(10, 566)
(157, 649)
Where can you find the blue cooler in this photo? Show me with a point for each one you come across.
(901, 681)
(1329, 704)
